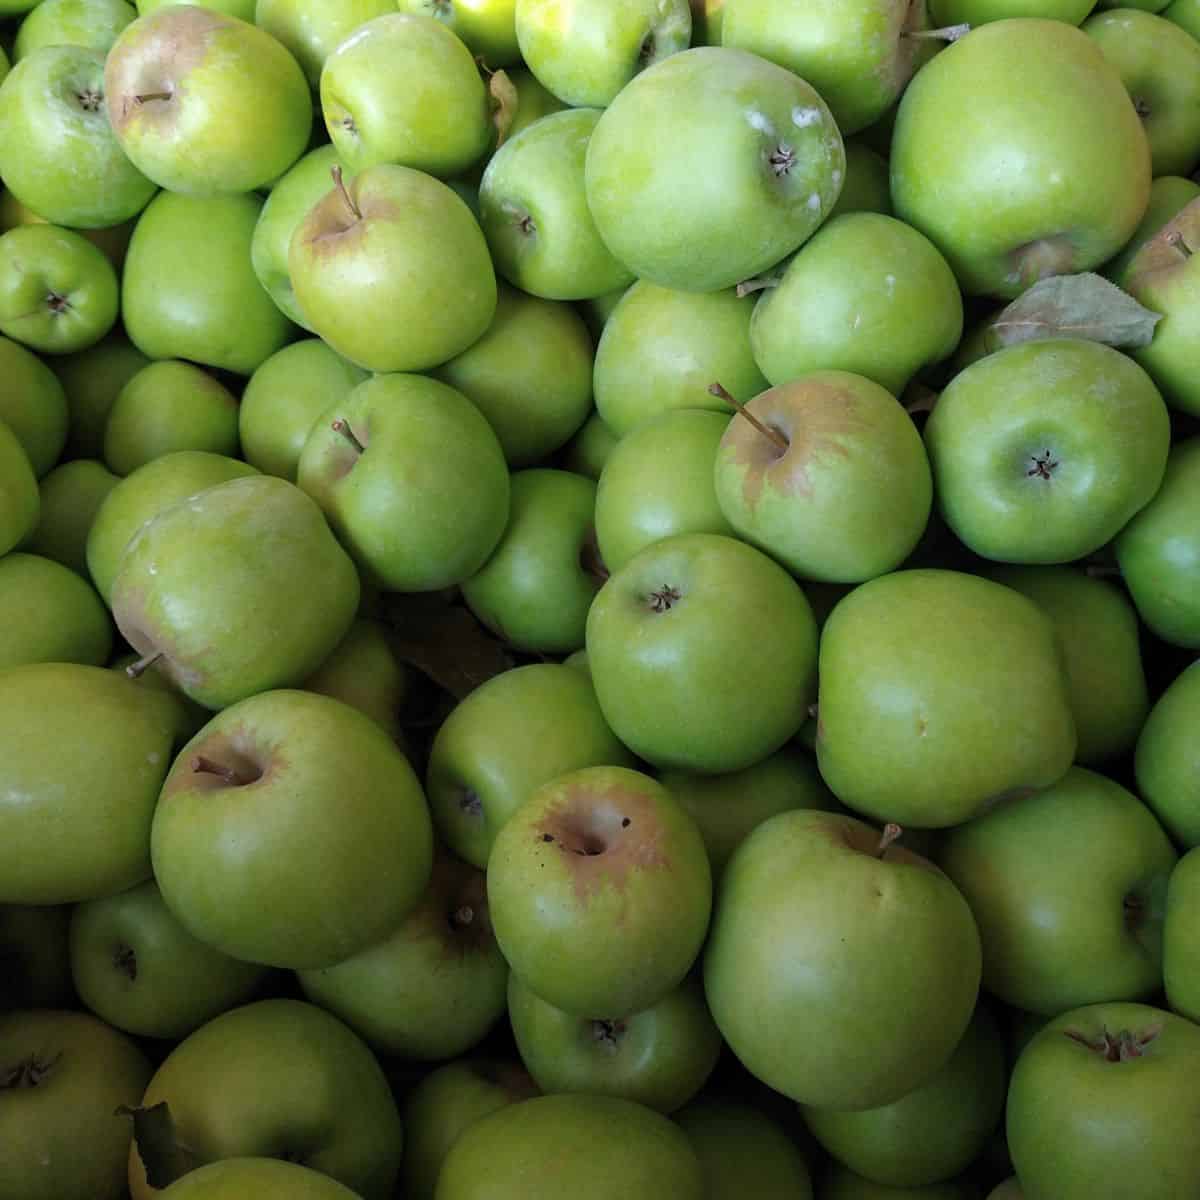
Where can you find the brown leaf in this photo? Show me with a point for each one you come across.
(503, 93)
(164, 1158)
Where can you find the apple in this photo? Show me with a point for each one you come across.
(1169, 195)
(592, 848)
(33, 951)
(137, 968)
(404, 89)
(49, 614)
(590, 1147)
(1103, 1100)
(533, 101)
(1152, 6)
(85, 752)
(243, 9)
(92, 379)
(91, 23)
(33, 405)
(1185, 13)
(20, 501)
(980, 12)
(70, 496)
(533, 190)
(262, 1178)
(411, 478)
(878, 950)
(1181, 962)
(662, 350)
(488, 27)
(58, 153)
(395, 241)
(585, 54)
(113, 240)
(721, 143)
(63, 1077)
(588, 451)
(203, 102)
(1008, 1189)
(1005, 197)
(597, 309)
(867, 186)
(1166, 759)
(284, 1079)
(313, 29)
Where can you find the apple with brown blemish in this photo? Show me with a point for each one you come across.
(600, 891)
(831, 478)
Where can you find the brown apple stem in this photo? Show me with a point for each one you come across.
(891, 833)
(749, 286)
(342, 426)
(137, 669)
(919, 399)
(146, 97)
(1176, 239)
(715, 389)
(339, 183)
(206, 766)
(948, 33)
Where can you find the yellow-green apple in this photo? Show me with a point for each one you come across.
(58, 153)
(588, 451)
(941, 693)
(1029, 471)
(262, 1178)
(1159, 552)
(404, 89)
(243, 9)
(830, 477)
(1103, 1100)
(291, 831)
(866, 187)
(33, 405)
(512, 734)
(64, 1076)
(722, 143)
(283, 399)
(532, 99)
(70, 496)
(586, 53)
(166, 407)
(530, 374)
(663, 349)
(1181, 946)
(980, 12)
(1169, 195)
(597, 309)
(313, 29)
(435, 986)
(784, 954)
(33, 949)
(203, 102)
(49, 614)
(20, 501)
(1185, 13)
(136, 967)
(1007, 198)
(92, 379)
(14, 8)
(85, 751)
(533, 189)
(660, 1057)
(279, 1078)
(488, 27)
(397, 241)
(386, 465)
(1151, 6)
(602, 1146)
(113, 239)
(91, 23)
(593, 849)
(889, 305)
(1167, 758)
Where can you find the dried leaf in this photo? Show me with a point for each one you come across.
(164, 1158)
(1086, 306)
(504, 104)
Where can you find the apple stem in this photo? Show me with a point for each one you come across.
(146, 97)
(891, 833)
(948, 33)
(342, 426)
(339, 183)
(715, 389)
(137, 669)
(206, 766)
(919, 399)
(1176, 239)
(749, 286)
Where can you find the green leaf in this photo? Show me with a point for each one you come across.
(164, 1158)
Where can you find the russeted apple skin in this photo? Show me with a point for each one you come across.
(262, 1178)
(317, 845)
(594, 851)
(899, 940)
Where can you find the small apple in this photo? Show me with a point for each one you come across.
(488, 27)
(243, 9)
(33, 405)
(49, 614)
(1167, 758)
(262, 1178)
(20, 502)
(313, 29)
(588, 451)
(1169, 195)
(867, 187)
(91, 23)
(71, 495)
(1185, 13)
(92, 379)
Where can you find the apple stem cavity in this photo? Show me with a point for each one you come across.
(1175, 239)
(340, 184)
(749, 286)
(607, 1034)
(228, 775)
(125, 961)
(715, 389)
(342, 426)
(136, 670)
(891, 834)
(947, 33)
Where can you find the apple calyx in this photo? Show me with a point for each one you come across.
(1044, 465)
(342, 426)
(891, 834)
(947, 33)
(1124, 1046)
(340, 185)
(715, 389)
(664, 599)
(781, 160)
(230, 776)
(28, 1073)
(124, 959)
(608, 1034)
(470, 803)
(136, 670)
(90, 100)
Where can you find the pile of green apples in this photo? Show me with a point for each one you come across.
(599, 600)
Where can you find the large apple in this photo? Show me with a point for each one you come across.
(20, 502)
(49, 614)
(1167, 759)
(262, 1178)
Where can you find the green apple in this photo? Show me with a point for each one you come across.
(312, 29)
(588, 1147)
(71, 496)
(830, 479)
(533, 189)
(64, 1077)
(980, 12)
(404, 89)
(888, 305)
(935, 1131)
(401, 242)
(663, 349)
(243, 9)
(737, 161)
(91, 23)
(658, 482)
(112, 240)
(1098, 629)
(1159, 552)
(33, 405)
(659, 1057)
(58, 153)
(703, 653)
(92, 379)
(1149, 51)
(145, 493)
(594, 848)
(597, 309)
(434, 987)
(588, 451)
(1043, 451)
(941, 693)
(821, 924)
(85, 752)
(1181, 957)
(512, 734)
(488, 27)
(1007, 198)
(283, 399)
(1185, 13)
(262, 1178)
(530, 374)
(20, 501)
(203, 102)
(389, 466)
(1167, 758)
(49, 614)
(270, 842)
(187, 269)
(533, 100)
(586, 53)
(1169, 195)
(136, 967)
(1102, 1102)
(33, 949)
(284, 1079)
(867, 187)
